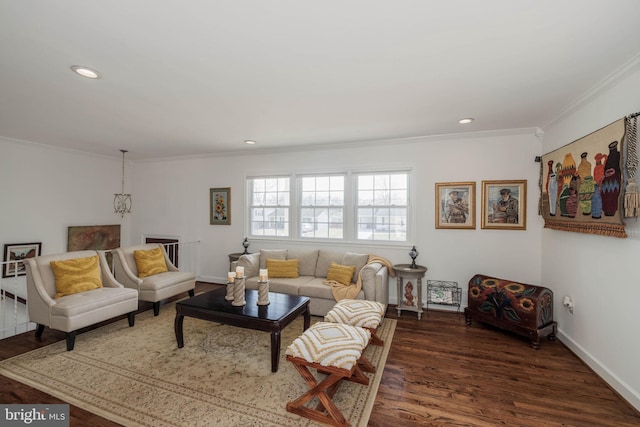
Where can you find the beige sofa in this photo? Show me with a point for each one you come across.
(313, 268)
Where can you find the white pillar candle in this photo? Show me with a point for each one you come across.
(264, 275)
(231, 276)
(239, 272)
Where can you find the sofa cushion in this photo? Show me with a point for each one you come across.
(150, 262)
(341, 273)
(272, 254)
(282, 268)
(251, 264)
(316, 288)
(76, 275)
(324, 261)
(285, 286)
(357, 260)
(308, 260)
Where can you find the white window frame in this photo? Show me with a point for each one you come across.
(350, 207)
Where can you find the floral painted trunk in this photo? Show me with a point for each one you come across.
(524, 309)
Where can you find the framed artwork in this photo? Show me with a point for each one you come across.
(18, 252)
(456, 205)
(220, 206)
(504, 205)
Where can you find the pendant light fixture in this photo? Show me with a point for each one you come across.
(122, 201)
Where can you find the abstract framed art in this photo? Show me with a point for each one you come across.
(220, 206)
(17, 252)
(504, 205)
(456, 205)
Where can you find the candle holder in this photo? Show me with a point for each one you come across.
(230, 285)
(263, 293)
(245, 244)
(238, 293)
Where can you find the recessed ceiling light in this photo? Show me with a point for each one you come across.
(249, 141)
(86, 72)
(466, 120)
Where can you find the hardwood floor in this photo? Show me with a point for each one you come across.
(439, 372)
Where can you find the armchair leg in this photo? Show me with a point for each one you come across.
(132, 318)
(192, 292)
(156, 308)
(39, 330)
(71, 340)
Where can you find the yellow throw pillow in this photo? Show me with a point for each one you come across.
(150, 262)
(341, 273)
(76, 275)
(279, 268)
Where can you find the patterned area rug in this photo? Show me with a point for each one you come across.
(222, 377)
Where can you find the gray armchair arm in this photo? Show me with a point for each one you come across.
(123, 272)
(108, 280)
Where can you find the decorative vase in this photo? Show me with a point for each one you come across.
(263, 293)
(611, 182)
(238, 293)
(587, 188)
(596, 203)
(553, 193)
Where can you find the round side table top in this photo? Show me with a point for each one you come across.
(408, 269)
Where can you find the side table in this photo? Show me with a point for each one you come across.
(406, 298)
(234, 257)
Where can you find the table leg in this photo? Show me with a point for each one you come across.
(275, 350)
(399, 284)
(177, 326)
(419, 297)
(307, 319)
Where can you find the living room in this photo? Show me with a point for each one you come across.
(47, 189)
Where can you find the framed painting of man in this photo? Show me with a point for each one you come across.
(504, 205)
(456, 205)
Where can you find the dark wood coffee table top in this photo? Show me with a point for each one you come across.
(212, 306)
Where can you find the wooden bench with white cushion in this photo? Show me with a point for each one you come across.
(335, 350)
(362, 313)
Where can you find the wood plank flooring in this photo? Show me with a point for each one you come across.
(439, 372)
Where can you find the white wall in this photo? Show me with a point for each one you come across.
(43, 190)
(172, 198)
(599, 273)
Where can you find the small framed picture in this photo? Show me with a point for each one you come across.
(220, 206)
(17, 252)
(504, 205)
(456, 205)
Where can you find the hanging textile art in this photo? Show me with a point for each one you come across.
(583, 184)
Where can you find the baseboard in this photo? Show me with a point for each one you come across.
(623, 389)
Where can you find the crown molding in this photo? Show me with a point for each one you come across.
(610, 80)
(348, 145)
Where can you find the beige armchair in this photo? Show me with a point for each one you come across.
(151, 288)
(70, 313)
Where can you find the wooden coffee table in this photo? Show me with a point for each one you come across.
(281, 311)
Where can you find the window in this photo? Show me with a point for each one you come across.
(367, 206)
(382, 206)
(322, 206)
(269, 206)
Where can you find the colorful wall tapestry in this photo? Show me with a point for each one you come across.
(582, 185)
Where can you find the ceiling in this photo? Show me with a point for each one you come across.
(199, 77)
